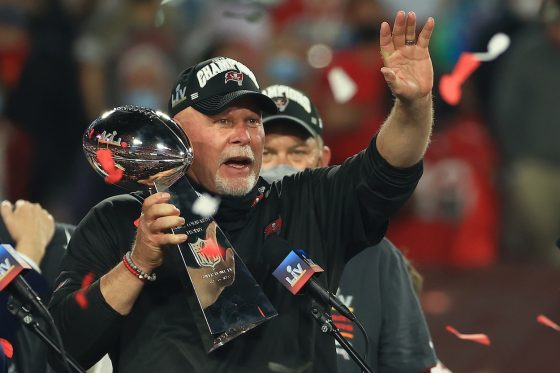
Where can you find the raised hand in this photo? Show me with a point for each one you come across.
(30, 226)
(407, 64)
(158, 217)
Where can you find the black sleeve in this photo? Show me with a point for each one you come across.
(404, 345)
(96, 247)
(355, 200)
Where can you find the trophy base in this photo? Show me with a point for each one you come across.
(225, 337)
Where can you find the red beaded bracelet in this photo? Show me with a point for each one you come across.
(135, 270)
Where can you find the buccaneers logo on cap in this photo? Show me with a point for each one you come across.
(281, 102)
(235, 76)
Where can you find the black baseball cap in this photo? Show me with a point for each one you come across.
(293, 106)
(210, 86)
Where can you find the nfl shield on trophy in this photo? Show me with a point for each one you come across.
(142, 149)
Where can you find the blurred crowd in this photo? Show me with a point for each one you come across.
(489, 193)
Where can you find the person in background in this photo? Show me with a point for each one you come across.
(376, 283)
(526, 111)
(32, 231)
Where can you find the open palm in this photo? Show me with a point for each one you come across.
(407, 65)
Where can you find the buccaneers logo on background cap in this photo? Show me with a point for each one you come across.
(235, 76)
(281, 102)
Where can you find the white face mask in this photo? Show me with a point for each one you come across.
(277, 172)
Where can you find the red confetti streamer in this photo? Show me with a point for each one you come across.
(7, 347)
(212, 249)
(542, 319)
(450, 84)
(105, 159)
(261, 312)
(81, 294)
(136, 222)
(90, 133)
(478, 338)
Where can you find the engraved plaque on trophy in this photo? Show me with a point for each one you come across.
(150, 151)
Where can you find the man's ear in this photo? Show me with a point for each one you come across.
(325, 157)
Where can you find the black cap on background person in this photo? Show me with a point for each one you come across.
(293, 139)
(295, 107)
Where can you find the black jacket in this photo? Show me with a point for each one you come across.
(332, 213)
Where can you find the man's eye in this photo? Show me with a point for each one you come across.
(254, 122)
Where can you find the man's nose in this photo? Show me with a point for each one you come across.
(282, 159)
(240, 134)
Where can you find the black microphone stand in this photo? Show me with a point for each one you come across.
(327, 326)
(19, 311)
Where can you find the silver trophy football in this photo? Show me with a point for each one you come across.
(141, 149)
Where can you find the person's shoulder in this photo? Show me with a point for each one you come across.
(115, 208)
(387, 247)
(390, 253)
(121, 201)
(384, 251)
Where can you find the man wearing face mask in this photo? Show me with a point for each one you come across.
(376, 284)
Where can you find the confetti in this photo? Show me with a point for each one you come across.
(450, 84)
(81, 294)
(7, 347)
(205, 205)
(542, 319)
(105, 159)
(497, 45)
(478, 338)
(342, 85)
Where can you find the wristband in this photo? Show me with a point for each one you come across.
(135, 270)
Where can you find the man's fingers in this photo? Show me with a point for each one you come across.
(385, 40)
(156, 198)
(389, 75)
(158, 210)
(410, 26)
(164, 223)
(174, 239)
(6, 209)
(170, 239)
(426, 33)
(399, 30)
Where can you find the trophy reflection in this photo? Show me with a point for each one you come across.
(141, 149)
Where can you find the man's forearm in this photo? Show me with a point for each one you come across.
(120, 289)
(405, 135)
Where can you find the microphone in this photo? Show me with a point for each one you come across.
(296, 272)
(11, 266)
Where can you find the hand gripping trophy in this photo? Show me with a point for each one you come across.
(140, 149)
